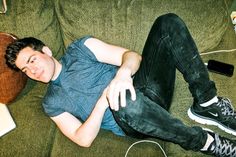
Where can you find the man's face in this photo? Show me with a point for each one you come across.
(36, 65)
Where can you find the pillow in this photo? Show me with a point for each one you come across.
(11, 81)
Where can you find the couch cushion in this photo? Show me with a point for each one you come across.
(33, 18)
(127, 22)
(106, 145)
(34, 132)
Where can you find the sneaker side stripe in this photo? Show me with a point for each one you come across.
(208, 121)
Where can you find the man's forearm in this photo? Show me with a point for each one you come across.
(88, 131)
(130, 63)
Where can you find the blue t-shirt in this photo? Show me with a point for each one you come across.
(79, 85)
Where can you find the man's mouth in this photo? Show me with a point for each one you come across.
(39, 74)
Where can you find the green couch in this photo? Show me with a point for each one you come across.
(121, 22)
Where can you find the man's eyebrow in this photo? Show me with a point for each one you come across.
(27, 62)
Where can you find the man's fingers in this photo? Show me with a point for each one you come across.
(123, 98)
(133, 93)
(115, 99)
(116, 95)
(113, 96)
(110, 92)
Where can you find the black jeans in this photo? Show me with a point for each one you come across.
(169, 46)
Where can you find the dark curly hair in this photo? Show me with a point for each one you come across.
(15, 47)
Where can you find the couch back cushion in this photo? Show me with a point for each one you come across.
(127, 22)
(26, 18)
(11, 81)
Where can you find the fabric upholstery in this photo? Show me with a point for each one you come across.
(120, 22)
(127, 22)
(38, 19)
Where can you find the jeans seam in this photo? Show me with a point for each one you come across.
(162, 39)
(156, 94)
(177, 62)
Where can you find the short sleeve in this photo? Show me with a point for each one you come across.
(53, 101)
(78, 50)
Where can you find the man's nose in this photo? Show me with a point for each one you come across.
(33, 69)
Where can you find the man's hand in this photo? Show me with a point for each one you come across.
(127, 60)
(116, 91)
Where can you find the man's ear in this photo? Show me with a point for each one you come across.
(47, 51)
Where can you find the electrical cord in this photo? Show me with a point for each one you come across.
(217, 51)
(147, 141)
(4, 7)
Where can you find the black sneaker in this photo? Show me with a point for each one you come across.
(221, 147)
(220, 114)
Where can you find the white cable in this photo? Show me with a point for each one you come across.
(4, 7)
(217, 51)
(148, 141)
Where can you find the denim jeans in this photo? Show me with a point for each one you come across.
(169, 46)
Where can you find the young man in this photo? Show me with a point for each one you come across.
(96, 84)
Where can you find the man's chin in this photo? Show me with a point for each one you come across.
(43, 80)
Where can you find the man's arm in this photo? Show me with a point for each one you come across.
(123, 81)
(112, 54)
(82, 134)
(129, 63)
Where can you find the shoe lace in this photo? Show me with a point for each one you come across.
(224, 147)
(226, 107)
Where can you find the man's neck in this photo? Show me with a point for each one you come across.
(57, 67)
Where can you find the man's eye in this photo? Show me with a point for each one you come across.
(32, 60)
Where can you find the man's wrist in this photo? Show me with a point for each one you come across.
(124, 72)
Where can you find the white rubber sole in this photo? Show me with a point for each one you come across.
(203, 120)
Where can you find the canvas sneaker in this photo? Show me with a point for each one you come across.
(220, 114)
(221, 147)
